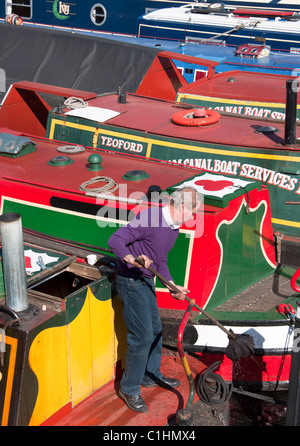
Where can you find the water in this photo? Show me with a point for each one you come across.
(248, 411)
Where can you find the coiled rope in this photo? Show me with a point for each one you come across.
(70, 149)
(211, 387)
(111, 185)
(74, 102)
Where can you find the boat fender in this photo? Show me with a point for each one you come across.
(288, 311)
(196, 117)
(14, 19)
(70, 149)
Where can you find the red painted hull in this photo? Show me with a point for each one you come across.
(266, 372)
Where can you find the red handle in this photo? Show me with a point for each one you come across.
(294, 280)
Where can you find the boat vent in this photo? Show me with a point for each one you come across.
(135, 175)
(95, 161)
(59, 161)
(266, 129)
(252, 51)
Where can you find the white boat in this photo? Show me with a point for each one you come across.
(225, 24)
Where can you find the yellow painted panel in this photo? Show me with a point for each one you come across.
(102, 340)
(81, 374)
(120, 332)
(10, 378)
(49, 361)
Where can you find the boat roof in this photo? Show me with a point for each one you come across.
(154, 117)
(241, 85)
(182, 13)
(33, 169)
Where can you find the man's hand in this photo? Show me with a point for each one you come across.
(181, 294)
(130, 259)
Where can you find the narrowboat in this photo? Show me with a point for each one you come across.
(105, 16)
(63, 339)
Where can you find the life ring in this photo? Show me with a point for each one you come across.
(188, 118)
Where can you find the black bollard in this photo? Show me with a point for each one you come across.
(290, 113)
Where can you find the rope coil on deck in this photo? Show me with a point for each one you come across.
(74, 102)
(111, 185)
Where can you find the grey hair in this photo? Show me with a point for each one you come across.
(188, 196)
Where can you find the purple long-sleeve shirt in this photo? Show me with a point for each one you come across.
(149, 234)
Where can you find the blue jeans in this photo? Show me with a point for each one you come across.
(144, 333)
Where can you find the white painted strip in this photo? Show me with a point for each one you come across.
(269, 337)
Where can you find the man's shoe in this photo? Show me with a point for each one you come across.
(165, 382)
(134, 402)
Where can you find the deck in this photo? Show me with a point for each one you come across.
(105, 408)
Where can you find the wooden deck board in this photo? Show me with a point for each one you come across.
(105, 408)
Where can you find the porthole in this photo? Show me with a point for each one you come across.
(98, 14)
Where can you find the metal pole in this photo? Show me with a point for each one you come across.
(293, 405)
(13, 262)
(290, 113)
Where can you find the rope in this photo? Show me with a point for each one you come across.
(236, 28)
(211, 388)
(247, 197)
(111, 185)
(74, 102)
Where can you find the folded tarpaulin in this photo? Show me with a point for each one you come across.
(12, 144)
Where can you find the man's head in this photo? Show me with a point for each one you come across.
(184, 203)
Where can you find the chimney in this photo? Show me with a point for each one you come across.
(13, 262)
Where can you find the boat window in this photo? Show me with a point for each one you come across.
(22, 8)
(98, 14)
(200, 74)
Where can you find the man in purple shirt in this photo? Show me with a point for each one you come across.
(150, 236)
